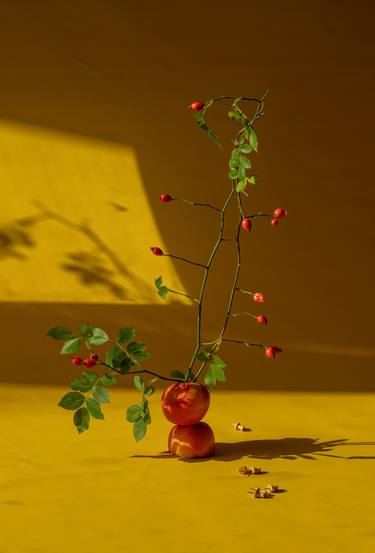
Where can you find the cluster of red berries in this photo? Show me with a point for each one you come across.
(90, 362)
(278, 213)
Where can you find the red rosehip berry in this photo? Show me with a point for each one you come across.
(89, 363)
(272, 351)
(197, 106)
(157, 251)
(246, 224)
(279, 212)
(262, 320)
(94, 357)
(76, 361)
(258, 297)
(165, 198)
(274, 222)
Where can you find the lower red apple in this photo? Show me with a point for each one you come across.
(185, 402)
(191, 441)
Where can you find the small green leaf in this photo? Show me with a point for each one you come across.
(107, 380)
(82, 419)
(98, 337)
(135, 346)
(144, 404)
(198, 116)
(217, 362)
(72, 400)
(125, 365)
(81, 384)
(209, 380)
(140, 355)
(253, 179)
(125, 334)
(72, 346)
(100, 394)
(244, 162)
(149, 390)
(179, 375)
(138, 382)
(234, 115)
(94, 409)
(115, 356)
(253, 140)
(245, 148)
(233, 174)
(86, 330)
(214, 137)
(163, 292)
(139, 430)
(60, 333)
(147, 418)
(133, 413)
(240, 186)
(203, 356)
(218, 374)
(159, 281)
(90, 376)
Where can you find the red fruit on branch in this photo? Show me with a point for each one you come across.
(94, 357)
(246, 224)
(279, 212)
(274, 222)
(76, 361)
(165, 198)
(89, 363)
(258, 297)
(156, 251)
(272, 351)
(262, 320)
(197, 106)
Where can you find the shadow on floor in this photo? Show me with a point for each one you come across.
(285, 448)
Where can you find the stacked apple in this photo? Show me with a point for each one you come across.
(185, 404)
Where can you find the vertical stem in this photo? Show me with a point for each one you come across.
(204, 282)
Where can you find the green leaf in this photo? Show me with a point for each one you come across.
(81, 384)
(100, 394)
(72, 400)
(214, 137)
(135, 346)
(72, 346)
(163, 292)
(60, 333)
(133, 413)
(234, 115)
(81, 419)
(209, 380)
(107, 380)
(203, 126)
(125, 365)
(253, 140)
(90, 376)
(233, 174)
(125, 334)
(147, 418)
(253, 179)
(144, 404)
(179, 375)
(203, 356)
(244, 162)
(140, 355)
(198, 116)
(245, 148)
(149, 390)
(139, 430)
(115, 356)
(138, 382)
(217, 362)
(218, 373)
(86, 330)
(240, 186)
(98, 337)
(159, 281)
(94, 409)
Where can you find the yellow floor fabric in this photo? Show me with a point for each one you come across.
(101, 491)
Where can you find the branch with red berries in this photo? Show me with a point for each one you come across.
(245, 143)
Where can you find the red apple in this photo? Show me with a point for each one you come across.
(185, 402)
(192, 441)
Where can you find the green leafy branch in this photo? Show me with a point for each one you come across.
(163, 290)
